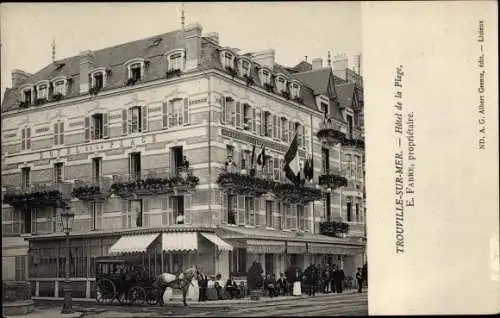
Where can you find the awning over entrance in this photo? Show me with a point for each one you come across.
(221, 245)
(132, 244)
(318, 248)
(265, 247)
(296, 247)
(179, 241)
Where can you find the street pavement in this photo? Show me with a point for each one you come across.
(346, 304)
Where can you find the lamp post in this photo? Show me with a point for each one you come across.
(67, 222)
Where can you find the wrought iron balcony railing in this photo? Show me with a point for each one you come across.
(332, 179)
(330, 133)
(334, 228)
(41, 194)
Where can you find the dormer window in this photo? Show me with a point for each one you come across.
(59, 87)
(27, 96)
(98, 80)
(176, 61)
(42, 91)
(228, 60)
(135, 71)
(266, 77)
(281, 84)
(295, 90)
(245, 68)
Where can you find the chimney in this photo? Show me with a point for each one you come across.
(18, 77)
(340, 66)
(192, 36)
(86, 65)
(265, 58)
(317, 63)
(214, 36)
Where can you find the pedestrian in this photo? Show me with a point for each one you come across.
(359, 278)
(231, 287)
(203, 287)
(339, 279)
(310, 280)
(326, 279)
(269, 285)
(333, 270)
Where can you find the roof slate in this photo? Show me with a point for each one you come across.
(345, 94)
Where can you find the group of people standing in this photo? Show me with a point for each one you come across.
(326, 278)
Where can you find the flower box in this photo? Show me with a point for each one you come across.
(57, 97)
(285, 94)
(249, 80)
(40, 101)
(94, 90)
(24, 104)
(332, 180)
(173, 73)
(269, 87)
(231, 71)
(330, 135)
(131, 81)
(333, 228)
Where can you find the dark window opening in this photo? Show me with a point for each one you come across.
(27, 96)
(177, 159)
(96, 170)
(325, 160)
(269, 264)
(238, 261)
(349, 212)
(349, 125)
(135, 166)
(58, 172)
(25, 178)
(178, 209)
(97, 126)
(328, 206)
(231, 209)
(98, 80)
(135, 72)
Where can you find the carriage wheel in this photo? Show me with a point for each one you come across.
(137, 295)
(151, 296)
(105, 291)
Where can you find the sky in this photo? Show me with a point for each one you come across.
(293, 29)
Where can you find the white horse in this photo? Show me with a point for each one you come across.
(183, 281)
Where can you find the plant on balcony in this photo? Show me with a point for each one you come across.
(192, 181)
(296, 194)
(131, 81)
(173, 73)
(231, 71)
(57, 97)
(269, 87)
(24, 104)
(332, 180)
(285, 94)
(355, 142)
(299, 100)
(331, 135)
(40, 101)
(333, 228)
(244, 184)
(94, 90)
(86, 191)
(249, 80)
(39, 198)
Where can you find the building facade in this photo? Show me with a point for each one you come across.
(150, 143)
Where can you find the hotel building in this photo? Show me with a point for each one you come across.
(136, 137)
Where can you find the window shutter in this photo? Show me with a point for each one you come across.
(23, 139)
(145, 209)
(87, 128)
(277, 223)
(186, 111)
(306, 138)
(34, 217)
(275, 126)
(129, 121)
(229, 112)
(262, 122)
(61, 133)
(223, 110)
(294, 216)
(302, 135)
(165, 114)
(307, 217)
(124, 213)
(144, 113)
(225, 207)
(254, 119)
(28, 138)
(98, 214)
(262, 213)
(241, 209)
(90, 210)
(286, 133)
(233, 113)
(165, 209)
(56, 133)
(105, 126)
(258, 121)
(238, 114)
(291, 129)
(188, 212)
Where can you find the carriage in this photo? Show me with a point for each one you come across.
(124, 281)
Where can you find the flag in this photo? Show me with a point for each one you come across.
(292, 166)
(261, 159)
(252, 161)
(309, 168)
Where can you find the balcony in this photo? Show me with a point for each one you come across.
(334, 228)
(49, 194)
(355, 139)
(154, 182)
(332, 180)
(241, 183)
(87, 189)
(329, 133)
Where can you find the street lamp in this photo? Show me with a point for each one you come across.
(67, 222)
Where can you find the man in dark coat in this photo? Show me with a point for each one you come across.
(359, 278)
(326, 279)
(333, 270)
(311, 274)
(339, 277)
(203, 287)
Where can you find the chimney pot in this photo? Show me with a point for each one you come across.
(86, 65)
(19, 76)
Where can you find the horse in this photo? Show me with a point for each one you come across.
(181, 281)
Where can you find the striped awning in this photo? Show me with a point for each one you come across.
(221, 244)
(179, 241)
(323, 248)
(132, 244)
(296, 247)
(265, 247)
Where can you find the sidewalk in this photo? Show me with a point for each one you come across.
(151, 312)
